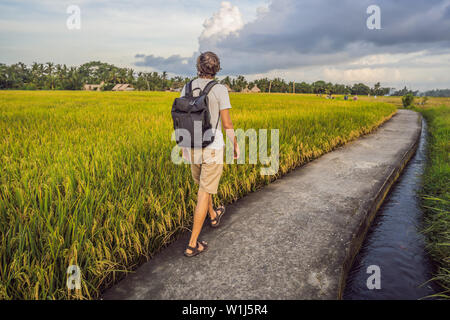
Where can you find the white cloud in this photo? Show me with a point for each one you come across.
(228, 20)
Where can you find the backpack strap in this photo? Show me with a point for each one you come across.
(208, 87)
(188, 89)
(205, 91)
(217, 123)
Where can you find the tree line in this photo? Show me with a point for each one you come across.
(50, 76)
(438, 93)
(318, 87)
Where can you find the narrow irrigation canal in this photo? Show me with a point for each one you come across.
(394, 242)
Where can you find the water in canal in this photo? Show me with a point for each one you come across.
(394, 243)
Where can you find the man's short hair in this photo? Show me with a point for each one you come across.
(208, 64)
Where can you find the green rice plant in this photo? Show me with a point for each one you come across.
(86, 178)
(436, 193)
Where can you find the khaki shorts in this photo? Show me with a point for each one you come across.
(206, 168)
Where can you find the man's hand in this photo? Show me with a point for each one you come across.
(228, 126)
(237, 152)
(186, 154)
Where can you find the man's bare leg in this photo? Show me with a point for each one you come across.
(199, 217)
(212, 212)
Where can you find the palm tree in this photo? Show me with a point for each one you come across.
(122, 76)
(50, 78)
(130, 76)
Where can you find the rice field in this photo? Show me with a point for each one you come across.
(86, 177)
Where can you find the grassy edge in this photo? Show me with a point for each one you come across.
(435, 195)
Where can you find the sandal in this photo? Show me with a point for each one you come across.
(220, 211)
(196, 251)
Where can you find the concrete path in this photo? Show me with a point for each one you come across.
(294, 239)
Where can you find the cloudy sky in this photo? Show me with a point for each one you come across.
(302, 40)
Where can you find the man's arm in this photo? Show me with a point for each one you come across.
(227, 124)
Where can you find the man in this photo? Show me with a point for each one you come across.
(207, 163)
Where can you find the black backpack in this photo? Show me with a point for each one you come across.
(188, 109)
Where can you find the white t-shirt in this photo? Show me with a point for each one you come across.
(218, 100)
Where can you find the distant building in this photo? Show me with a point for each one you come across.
(93, 87)
(123, 87)
(245, 90)
(255, 89)
(174, 90)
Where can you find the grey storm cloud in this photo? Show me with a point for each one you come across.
(296, 33)
(174, 62)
